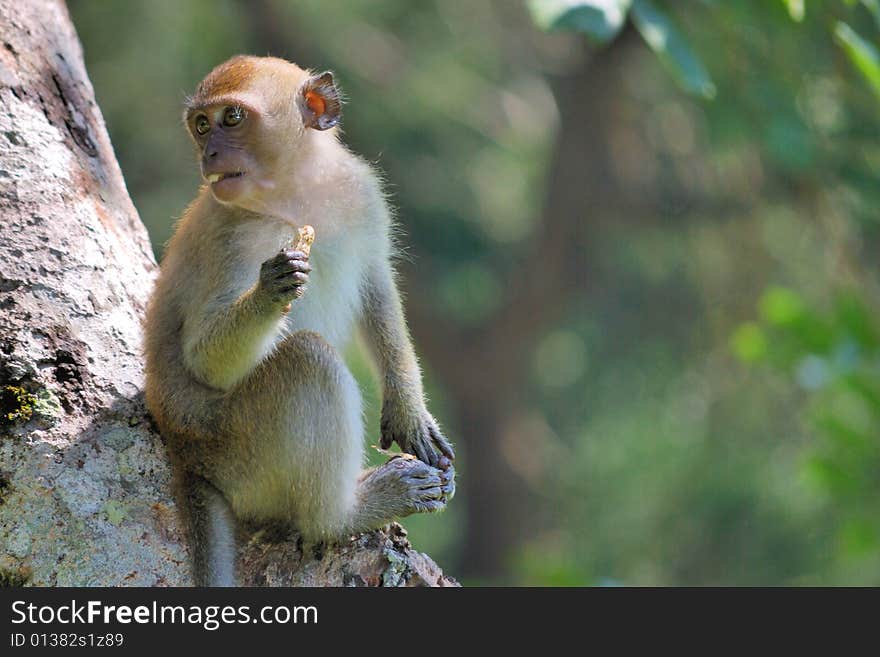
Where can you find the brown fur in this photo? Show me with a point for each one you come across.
(261, 416)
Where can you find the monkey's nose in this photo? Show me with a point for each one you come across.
(208, 157)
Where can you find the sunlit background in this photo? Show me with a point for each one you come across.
(641, 261)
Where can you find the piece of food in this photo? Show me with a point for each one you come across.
(305, 237)
(304, 240)
(394, 455)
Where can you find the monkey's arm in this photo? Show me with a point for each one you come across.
(225, 342)
(223, 345)
(405, 419)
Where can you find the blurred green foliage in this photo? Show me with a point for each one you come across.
(834, 357)
(602, 20)
(704, 409)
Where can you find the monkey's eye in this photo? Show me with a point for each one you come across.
(202, 124)
(233, 116)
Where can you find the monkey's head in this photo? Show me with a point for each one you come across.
(249, 118)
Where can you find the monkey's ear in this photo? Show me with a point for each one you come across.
(320, 102)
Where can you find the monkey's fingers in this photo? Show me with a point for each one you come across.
(424, 454)
(448, 488)
(440, 441)
(291, 262)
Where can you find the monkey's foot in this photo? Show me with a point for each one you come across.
(416, 487)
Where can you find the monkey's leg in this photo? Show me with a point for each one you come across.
(295, 439)
(296, 449)
(212, 532)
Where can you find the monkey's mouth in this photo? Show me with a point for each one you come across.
(217, 177)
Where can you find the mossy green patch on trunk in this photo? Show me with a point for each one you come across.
(14, 576)
(16, 405)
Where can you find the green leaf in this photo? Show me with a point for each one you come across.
(601, 20)
(845, 437)
(672, 48)
(856, 318)
(861, 53)
(781, 306)
(867, 387)
(859, 536)
(795, 9)
(829, 475)
(749, 342)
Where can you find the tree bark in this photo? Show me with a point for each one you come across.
(84, 481)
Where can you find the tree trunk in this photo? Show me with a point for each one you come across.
(84, 482)
(489, 374)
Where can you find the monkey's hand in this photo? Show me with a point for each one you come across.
(417, 433)
(283, 277)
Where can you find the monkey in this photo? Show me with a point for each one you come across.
(244, 332)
